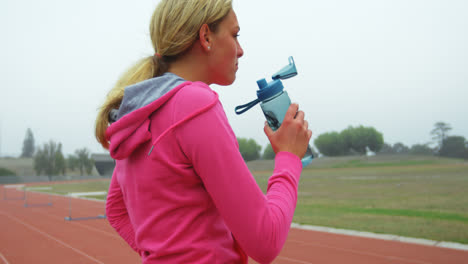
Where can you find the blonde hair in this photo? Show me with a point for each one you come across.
(174, 28)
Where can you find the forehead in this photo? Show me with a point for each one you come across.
(230, 21)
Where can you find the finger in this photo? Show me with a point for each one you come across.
(300, 115)
(306, 124)
(268, 131)
(309, 134)
(292, 110)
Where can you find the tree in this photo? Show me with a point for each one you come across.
(249, 149)
(81, 160)
(268, 153)
(331, 144)
(358, 138)
(6, 172)
(72, 162)
(386, 149)
(28, 145)
(49, 160)
(350, 140)
(439, 133)
(400, 148)
(453, 147)
(60, 163)
(465, 156)
(421, 149)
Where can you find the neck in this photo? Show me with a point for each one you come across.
(190, 66)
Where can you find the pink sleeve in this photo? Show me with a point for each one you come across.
(260, 223)
(117, 215)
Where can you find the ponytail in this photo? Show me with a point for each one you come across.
(144, 69)
(174, 28)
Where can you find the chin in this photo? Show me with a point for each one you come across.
(227, 81)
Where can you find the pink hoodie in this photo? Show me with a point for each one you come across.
(181, 192)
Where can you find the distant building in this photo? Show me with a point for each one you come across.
(369, 152)
(104, 163)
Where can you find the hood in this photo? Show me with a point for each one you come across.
(130, 124)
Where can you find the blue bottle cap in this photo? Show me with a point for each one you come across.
(262, 83)
(267, 90)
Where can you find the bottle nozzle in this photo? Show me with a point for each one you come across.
(262, 83)
(287, 71)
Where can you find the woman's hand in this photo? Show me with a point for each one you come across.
(293, 135)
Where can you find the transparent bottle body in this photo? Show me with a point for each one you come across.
(274, 109)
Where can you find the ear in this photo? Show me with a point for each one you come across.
(205, 37)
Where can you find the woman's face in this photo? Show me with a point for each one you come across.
(225, 51)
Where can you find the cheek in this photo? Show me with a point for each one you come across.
(235, 48)
(230, 49)
(228, 54)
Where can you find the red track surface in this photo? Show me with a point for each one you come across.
(39, 234)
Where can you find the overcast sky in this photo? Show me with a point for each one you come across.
(396, 65)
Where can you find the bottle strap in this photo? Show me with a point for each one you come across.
(242, 108)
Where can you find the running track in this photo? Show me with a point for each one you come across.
(41, 235)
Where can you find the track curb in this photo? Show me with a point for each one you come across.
(420, 241)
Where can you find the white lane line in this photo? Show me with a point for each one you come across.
(79, 198)
(294, 260)
(51, 237)
(419, 241)
(53, 216)
(13, 186)
(98, 230)
(360, 252)
(80, 194)
(4, 259)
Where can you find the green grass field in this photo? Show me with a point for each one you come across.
(422, 197)
(87, 186)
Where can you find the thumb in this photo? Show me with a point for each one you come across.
(268, 131)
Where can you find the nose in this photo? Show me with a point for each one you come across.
(240, 51)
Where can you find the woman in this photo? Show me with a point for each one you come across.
(181, 192)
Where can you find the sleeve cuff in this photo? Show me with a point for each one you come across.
(288, 160)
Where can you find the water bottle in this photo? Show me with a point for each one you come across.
(275, 102)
